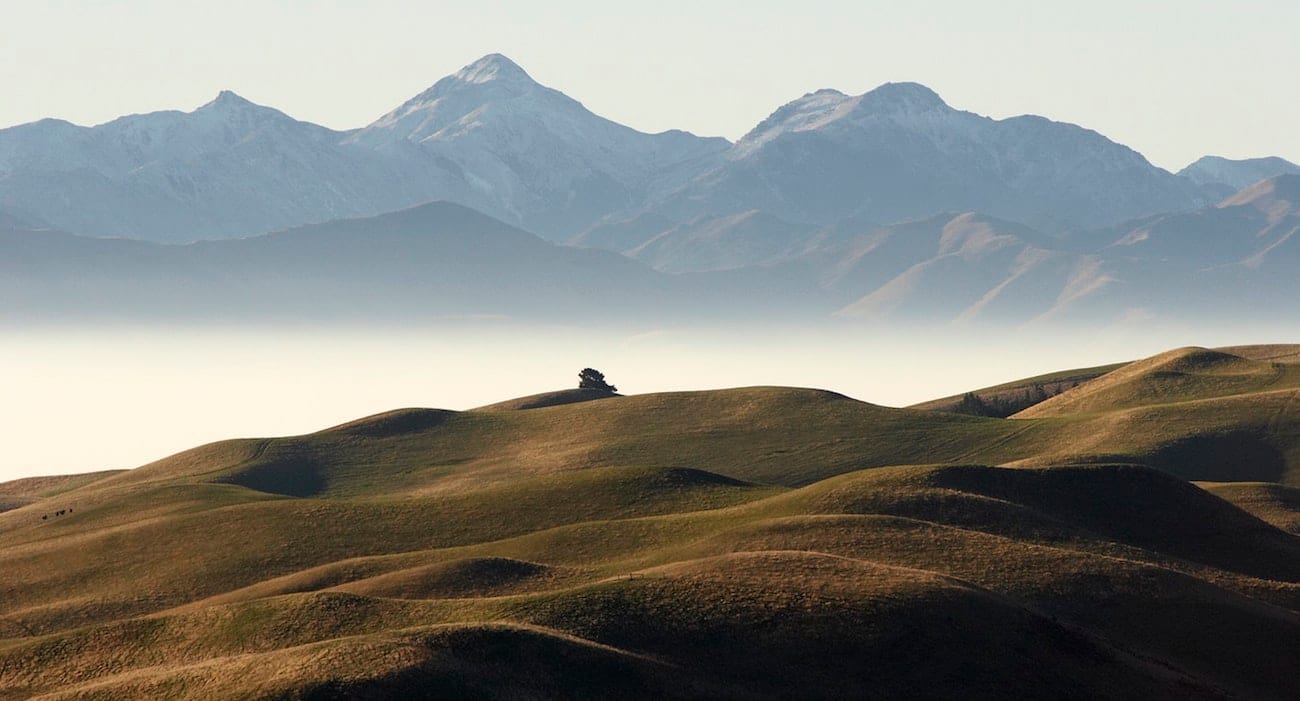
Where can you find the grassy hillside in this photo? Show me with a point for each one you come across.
(1003, 400)
(21, 492)
(751, 543)
(1183, 375)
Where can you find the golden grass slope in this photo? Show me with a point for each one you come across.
(1183, 375)
(21, 492)
(828, 590)
(1022, 393)
(750, 543)
(1211, 415)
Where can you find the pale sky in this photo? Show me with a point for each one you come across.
(1173, 79)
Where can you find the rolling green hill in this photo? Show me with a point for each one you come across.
(1009, 398)
(758, 542)
(1183, 375)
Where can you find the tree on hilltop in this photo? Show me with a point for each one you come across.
(591, 378)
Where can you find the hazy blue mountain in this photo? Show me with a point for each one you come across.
(491, 138)
(487, 137)
(887, 205)
(623, 234)
(9, 221)
(899, 152)
(445, 261)
(228, 168)
(1226, 175)
(435, 261)
(1246, 228)
(959, 267)
(1236, 259)
(535, 155)
(704, 243)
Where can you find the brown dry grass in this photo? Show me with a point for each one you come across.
(759, 542)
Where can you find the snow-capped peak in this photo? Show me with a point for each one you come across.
(799, 114)
(227, 100)
(492, 67)
(819, 109)
(491, 79)
(909, 97)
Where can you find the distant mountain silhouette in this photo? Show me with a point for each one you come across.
(900, 152)
(440, 260)
(491, 138)
(1235, 260)
(1223, 175)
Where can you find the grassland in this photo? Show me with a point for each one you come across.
(751, 543)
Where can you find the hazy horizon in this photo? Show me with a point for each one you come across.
(86, 399)
(1128, 72)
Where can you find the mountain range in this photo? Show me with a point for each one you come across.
(439, 261)
(1233, 260)
(488, 137)
(885, 205)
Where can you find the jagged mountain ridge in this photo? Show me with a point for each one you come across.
(533, 152)
(491, 138)
(521, 152)
(900, 152)
(228, 168)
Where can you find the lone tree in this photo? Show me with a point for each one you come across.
(591, 378)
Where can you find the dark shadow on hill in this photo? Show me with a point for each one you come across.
(474, 576)
(1004, 400)
(8, 503)
(1230, 456)
(757, 631)
(1000, 405)
(1142, 507)
(684, 477)
(289, 470)
(497, 662)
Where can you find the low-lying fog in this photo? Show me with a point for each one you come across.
(81, 399)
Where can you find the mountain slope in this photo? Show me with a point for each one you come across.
(966, 267)
(721, 243)
(536, 155)
(1245, 229)
(1234, 260)
(899, 152)
(228, 168)
(1227, 174)
(432, 261)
